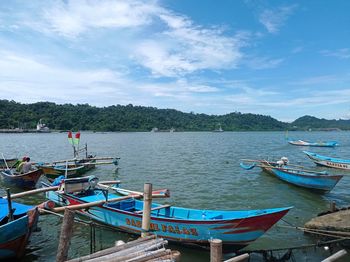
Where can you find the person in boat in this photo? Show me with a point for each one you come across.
(19, 164)
(27, 166)
(24, 166)
(282, 162)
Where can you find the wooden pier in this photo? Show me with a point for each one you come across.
(337, 223)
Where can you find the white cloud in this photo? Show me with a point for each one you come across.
(259, 63)
(173, 47)
(273, 20)
(185, 48)
(28, 79)
(343, 53)
(73, 18)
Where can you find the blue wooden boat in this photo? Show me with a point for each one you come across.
(183, 225)
(25, 181)
(316, 144)
(14, 235)
(319, 181)
(329, 161)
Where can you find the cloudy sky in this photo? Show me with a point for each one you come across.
(285, 59)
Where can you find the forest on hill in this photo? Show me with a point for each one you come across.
(141, 118)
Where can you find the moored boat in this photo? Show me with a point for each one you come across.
(14, 234)
(26, 181)
(297, 175)
(71, 170)
(329, 161)
(315, 144)
(183, 225)
(8, 163)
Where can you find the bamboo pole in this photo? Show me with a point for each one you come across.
(240, 258)
(154, 193)
(147, 203)
(93, 158)
(335, 256)
(91, 204)
(34, 191)
(151, 254)
(266, 161)
(174, 256)
(122, 255)
(113, 249)
(65, 236)
(215, 250)
(154, 208)
(110, 182)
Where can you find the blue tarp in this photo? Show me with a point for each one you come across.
(19, 208)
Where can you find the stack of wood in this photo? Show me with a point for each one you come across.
(144, 249)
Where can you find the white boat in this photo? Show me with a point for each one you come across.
(42, 128)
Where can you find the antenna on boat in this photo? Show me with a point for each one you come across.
(66, 171)
(7, 167)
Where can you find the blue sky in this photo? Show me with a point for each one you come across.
(285, 59)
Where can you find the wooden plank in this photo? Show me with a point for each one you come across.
(152, 209)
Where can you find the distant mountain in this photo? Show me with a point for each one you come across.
(140, 118)
(310, 122)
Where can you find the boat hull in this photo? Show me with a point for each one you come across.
(318, 182)
(25, 181)
(14, 235)
(329, 161)
(235, 233)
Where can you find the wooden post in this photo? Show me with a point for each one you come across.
(147, 203)
(335, 256)
(333, 206)
(9, 204)
(215, 250)
(66, 235)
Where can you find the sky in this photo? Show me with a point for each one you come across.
(285, 59)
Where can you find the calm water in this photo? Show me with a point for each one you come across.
(201, 169)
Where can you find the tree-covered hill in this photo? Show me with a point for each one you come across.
(125, 118)
(140, 118)
(310, 122)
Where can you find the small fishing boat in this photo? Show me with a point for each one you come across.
(15, 229)
(183, 225)
(74, 167)
(8, 163)
(297, 175)
(53, 171)
(316, 144)
(26, 181)
(329, 161)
